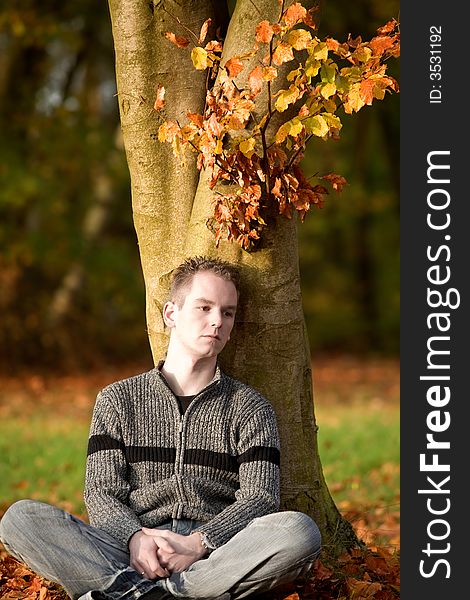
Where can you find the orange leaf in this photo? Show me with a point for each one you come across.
(255, 80)
(269, 73)
(213, 46)
(196, 118)
(214, 126)
(177, 40)
(367, 90)
(203, 32)
(388, 27)
(295, 13)
(234, 66)
(337, 182)
(380, 43)
(276, 191)
(282, 54)
(264, 32)
(160, 99)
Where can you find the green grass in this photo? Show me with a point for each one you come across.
(360, 452)
(43, 458)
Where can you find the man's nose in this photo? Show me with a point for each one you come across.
(217, 319)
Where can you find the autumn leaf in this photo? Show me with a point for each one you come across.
(380, 43)
(214, 126)
(179, 41)
(213, 46)
(312, 67)
(264, 32)
(337, 182)
(319, 51)
(316, 126)
(388, 27)
(234, 66)
(269, 73)
(283, 53)
(196, 118)
(354, 102)
(295, 13)
(203, 32)
(361, 54)
(160, 98)
(168, 131)
(255, 80)
(247, 147)
(200, 58)
(286, 97)
(299, 39)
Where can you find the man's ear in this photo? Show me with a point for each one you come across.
(168, 313)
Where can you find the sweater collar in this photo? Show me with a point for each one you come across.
(218, 375)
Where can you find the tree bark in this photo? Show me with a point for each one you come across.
(171, 206)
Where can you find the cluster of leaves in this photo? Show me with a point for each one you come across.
(18, 582)
(230, 137)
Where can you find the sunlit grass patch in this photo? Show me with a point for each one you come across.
(43, 458)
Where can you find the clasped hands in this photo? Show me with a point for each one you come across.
(160, 552)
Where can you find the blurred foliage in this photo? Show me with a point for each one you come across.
(71, 287)
(349, 252)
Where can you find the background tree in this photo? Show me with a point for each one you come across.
(172, 202)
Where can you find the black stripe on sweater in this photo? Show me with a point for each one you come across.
(96, 443)
(208, 458)
(158, 454)
(261, 453)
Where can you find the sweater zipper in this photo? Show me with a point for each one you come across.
(180, 457)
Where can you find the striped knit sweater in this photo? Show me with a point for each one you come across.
(218, 463)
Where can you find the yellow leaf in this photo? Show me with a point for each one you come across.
(327, 89)
(332, 121)
(293, 74)
(299, 38)
(312, 66)
(295, 127)
(286, 97)
(316, 125)
(200, 58)
(354, 101)
(218, 147)
(320, 51)
(247, 147)
(329, 106)
(362, 54)
(328, 73)
(282, 133)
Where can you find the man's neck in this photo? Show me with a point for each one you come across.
(187, 376)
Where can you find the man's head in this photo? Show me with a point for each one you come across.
(202, 306)
(183, 275)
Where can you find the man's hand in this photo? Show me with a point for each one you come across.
(176, 552)
(143, 556)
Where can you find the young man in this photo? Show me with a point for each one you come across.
(182, 477)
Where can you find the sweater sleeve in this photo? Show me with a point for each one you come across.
(106, 486)
(259, 491)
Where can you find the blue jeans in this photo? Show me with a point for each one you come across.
(271, 550)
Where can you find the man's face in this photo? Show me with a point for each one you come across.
(202, 323)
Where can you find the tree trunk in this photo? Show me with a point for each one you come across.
(171, 205)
